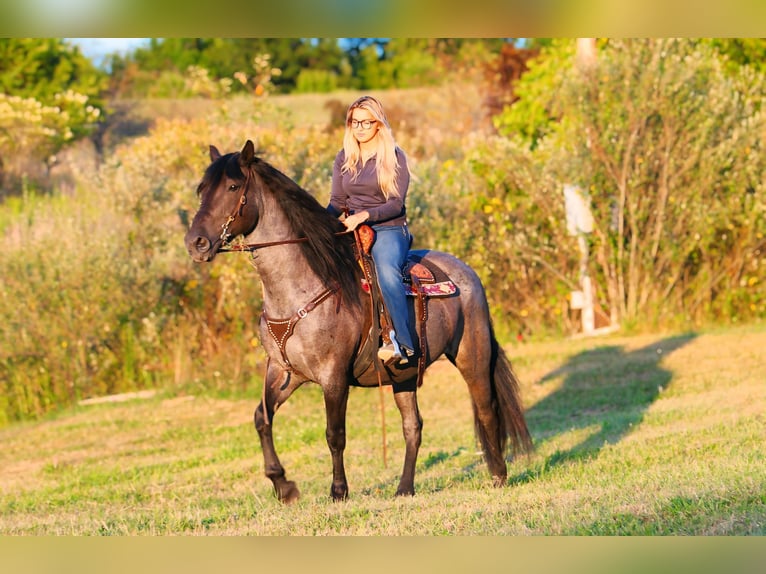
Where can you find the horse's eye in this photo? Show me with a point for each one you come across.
(234, 187)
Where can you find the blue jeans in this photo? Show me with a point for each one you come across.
(389, 252)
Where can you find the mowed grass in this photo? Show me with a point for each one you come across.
(644, 435)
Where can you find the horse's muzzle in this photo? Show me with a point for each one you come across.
(200, 248)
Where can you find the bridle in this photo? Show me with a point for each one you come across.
(235, 212)
(227, 247)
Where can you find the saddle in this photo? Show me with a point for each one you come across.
(422, 280)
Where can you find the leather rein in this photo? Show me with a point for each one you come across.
(229, 248)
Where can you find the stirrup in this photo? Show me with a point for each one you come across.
(390, 352)
(397, 349)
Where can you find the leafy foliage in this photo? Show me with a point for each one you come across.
(305, 63)
(669, 148)
(531, 115)
(666, 141)
(134, 75)
(42, 68)
(50, 97)
(742, 52)
(99, 295)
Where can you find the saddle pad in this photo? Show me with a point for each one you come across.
(418, 259)
(443, 289)
(415, 269)
(433, 280)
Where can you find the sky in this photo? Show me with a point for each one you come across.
(97, 48)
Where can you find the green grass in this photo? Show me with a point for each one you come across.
(644, 435)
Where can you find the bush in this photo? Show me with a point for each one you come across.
(99, 294)
(316, 82)
(668, 145)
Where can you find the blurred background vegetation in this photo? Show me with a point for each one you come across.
(98, 167)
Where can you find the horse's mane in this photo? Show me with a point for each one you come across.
(330, 256)
(213, 174)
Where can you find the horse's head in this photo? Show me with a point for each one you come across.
(227, 206)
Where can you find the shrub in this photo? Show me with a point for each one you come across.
(316, 82)
(668, 145)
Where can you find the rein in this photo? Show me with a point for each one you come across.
(228, 248)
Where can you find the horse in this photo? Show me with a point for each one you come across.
(312, 325)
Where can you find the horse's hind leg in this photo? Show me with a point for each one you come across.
(412, 428)
(273, 396)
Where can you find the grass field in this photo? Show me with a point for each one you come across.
(643, 435)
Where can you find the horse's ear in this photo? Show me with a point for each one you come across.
(214, 153)
(247, 154)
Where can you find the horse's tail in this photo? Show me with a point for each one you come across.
(507, 404)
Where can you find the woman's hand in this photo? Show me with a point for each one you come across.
(353, 221)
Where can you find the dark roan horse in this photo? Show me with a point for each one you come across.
(312, 325)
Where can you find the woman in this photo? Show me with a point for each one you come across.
(370, 180)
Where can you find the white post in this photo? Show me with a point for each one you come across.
(583, 220)
(580, 223)
(588, 316)
(586, 51)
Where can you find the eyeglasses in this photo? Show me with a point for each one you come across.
(365, 124)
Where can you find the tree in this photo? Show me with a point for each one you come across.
(40, 68)
(529, 112)
(226, 58)
(502, 75)
(666, 139)
(742, 52)
(50, 98)
(667, 143)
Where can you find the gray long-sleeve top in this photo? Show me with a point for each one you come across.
(363, 192)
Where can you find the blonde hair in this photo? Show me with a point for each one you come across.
(386, 163)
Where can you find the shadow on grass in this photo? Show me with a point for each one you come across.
(435, 458)
(605, 388)
(432, 460)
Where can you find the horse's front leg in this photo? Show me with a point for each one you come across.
(273, 396)
(336, 400)
(412, 427)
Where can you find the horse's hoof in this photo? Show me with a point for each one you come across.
(288, 492)
(499, 481)
(339, 494)
(405, 491)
